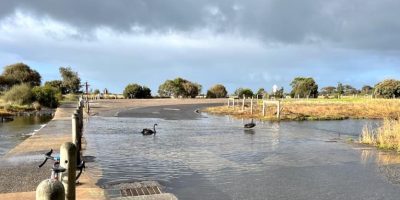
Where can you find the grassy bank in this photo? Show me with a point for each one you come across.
(319, 109)
(385, 137)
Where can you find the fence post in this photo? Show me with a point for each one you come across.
(233, 103)
(68, 161)
(251, 105)
(244, 98)
(50, 190)
(278, 112)
(263, 109)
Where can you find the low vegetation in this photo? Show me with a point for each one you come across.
(318, 109)
(386, 136)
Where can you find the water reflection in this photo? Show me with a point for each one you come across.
(12, 133)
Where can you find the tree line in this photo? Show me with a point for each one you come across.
(301, 87)
(22, 85)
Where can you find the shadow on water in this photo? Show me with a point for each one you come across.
(215, 158)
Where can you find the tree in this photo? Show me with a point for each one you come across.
(304, 88)
(388, 89)
(247, 92)
(19, 73)
(47, 96)
(280, 93)
(350, 90)
(329, 90)
(366, 89)
(58, 84)
(70, 80)
(262, 92)
(340, 90)
(217, 91)
(136, 91)
(179, 87)
(96, 91)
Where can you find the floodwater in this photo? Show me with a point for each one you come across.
(14, 132)
(215, 158)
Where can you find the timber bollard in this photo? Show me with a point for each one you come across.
(50, 190)
(251, 105)
(68, 161)
(244, 98)
(76, 136)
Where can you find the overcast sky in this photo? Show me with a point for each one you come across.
(248, 43)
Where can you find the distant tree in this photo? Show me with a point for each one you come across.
(136, 91)
(339, 90)
(247, 92)
(19, 73)
(70, 80)
(304, 88)
(96, 91)
(329, 90)
(261, 92)
(280, 93)
(179, 87)
(57, 84)
(217, 91)
(387, 89)
(350, 90)
(366, 89)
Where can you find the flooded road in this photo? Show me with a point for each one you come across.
(213, 157)
(14, 132)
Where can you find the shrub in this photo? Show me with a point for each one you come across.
(136, 91)
(19, 94)
(388, 89)
(247, 92)
(47, 96)
(217, 91)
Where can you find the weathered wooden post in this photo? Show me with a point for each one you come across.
(244, 98)
(68, 161)
(278, 112)
(263, 109)
(251, 105)
(233, 103)
(76, 135)
(228, 102)
(50, 190)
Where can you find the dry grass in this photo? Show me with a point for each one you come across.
(386, 137)
(320, 109)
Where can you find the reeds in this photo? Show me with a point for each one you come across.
(386, 137)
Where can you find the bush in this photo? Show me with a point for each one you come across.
(247, 92)
(136, 91)
(47, 96)
(19, 94)
(388, 89)
(217, 91)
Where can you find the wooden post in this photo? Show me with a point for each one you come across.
(68, 161)
(278, 111)
(50, 190)
(229, 102)
(244, 98)
(233, 103)
(251, 105)
(263, 110)
(76, 136)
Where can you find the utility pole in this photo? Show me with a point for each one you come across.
(87, 87)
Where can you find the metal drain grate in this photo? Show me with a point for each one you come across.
(140, 191)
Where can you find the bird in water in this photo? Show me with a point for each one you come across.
(147, 131)
(250, 125)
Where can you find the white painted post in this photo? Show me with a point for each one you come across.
(251, 105)
(244, 98)
(278, 112)
(263, 110)
(229, 102)
(68, 161)
(233, 103)
(50, 190)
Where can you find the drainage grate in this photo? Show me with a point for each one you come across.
(140, 191)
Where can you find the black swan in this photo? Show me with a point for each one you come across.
(147, 131)
(250, 125)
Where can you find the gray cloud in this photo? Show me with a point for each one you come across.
(360, 24)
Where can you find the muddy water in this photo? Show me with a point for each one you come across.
(215, 158)
(14, 132)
